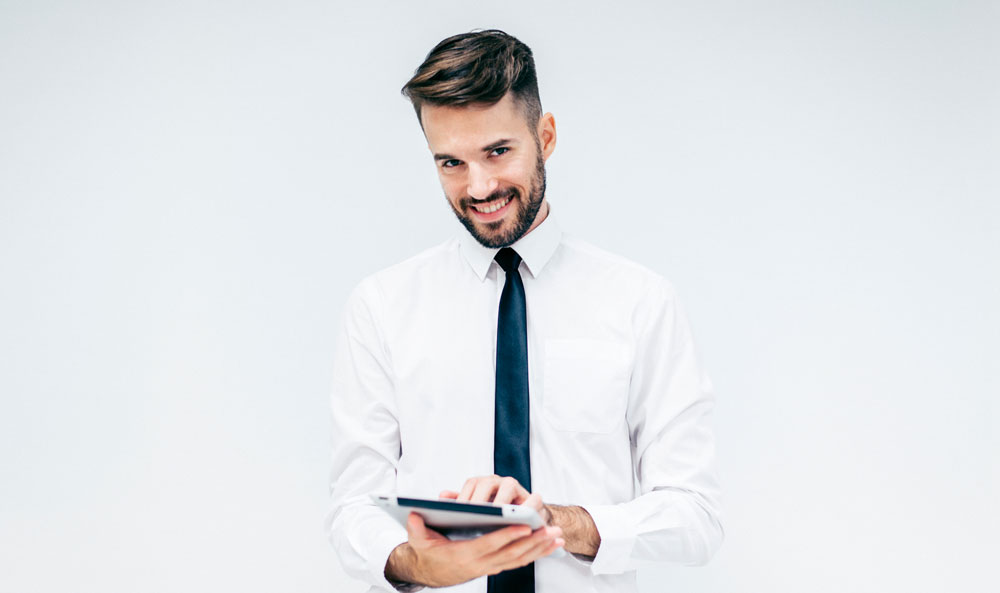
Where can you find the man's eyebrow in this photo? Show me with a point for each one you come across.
(488, 148)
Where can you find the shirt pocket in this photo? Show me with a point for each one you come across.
(585, 384)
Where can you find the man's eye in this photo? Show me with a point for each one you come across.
(447, 166)
(503, 148)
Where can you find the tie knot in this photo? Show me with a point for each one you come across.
(508, 259)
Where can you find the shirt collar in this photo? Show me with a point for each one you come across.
(535, 248)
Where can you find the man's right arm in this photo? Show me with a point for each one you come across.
(365, 442)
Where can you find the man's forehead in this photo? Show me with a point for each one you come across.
(472, 124)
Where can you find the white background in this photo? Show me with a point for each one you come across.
(189, 189)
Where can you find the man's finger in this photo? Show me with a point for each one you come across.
(485, 489)
(534, 501)
(467, 489)
(509, 491)
(415, 527)
(451, 494)
(540, 551)
(495, 540)
(418, 531)
(522, 551)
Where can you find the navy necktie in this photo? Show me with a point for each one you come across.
(510, 436)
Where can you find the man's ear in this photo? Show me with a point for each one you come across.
(547, 134)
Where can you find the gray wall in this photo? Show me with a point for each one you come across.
(189, 190)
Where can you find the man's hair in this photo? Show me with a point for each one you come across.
(477, 67)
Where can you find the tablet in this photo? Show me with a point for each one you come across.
(461, 520)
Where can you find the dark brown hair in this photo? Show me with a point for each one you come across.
(477, 67)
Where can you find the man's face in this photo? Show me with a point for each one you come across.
(491, 167)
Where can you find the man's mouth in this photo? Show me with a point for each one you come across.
(491, 207)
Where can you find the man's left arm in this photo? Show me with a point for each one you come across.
(675, 518)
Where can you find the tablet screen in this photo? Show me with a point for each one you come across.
(448, 505)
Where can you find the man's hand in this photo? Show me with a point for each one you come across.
(499, 490)
(579, 531)
(431, 559)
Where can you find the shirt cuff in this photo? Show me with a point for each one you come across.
(618, 534)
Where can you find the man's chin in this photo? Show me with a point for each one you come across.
(490, 234)
(491, 240)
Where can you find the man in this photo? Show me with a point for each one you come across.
(515, 364)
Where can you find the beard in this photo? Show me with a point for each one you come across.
(527, 210)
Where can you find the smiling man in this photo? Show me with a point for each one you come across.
(516, 364)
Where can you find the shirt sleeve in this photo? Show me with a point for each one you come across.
(365, 443)
(675, 519)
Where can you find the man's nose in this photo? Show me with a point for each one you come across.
(481, 182)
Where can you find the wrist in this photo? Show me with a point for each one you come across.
(560, 516)
(579, 530)
(401, 567)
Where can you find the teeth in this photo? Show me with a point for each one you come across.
(496, 206)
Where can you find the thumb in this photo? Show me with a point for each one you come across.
(415, 527)
(418, 532)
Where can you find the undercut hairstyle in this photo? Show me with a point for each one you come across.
(477, 67)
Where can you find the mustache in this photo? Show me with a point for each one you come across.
(497, 195)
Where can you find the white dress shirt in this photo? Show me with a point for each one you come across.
(618, 405)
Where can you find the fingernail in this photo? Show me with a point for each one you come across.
(560, 541)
